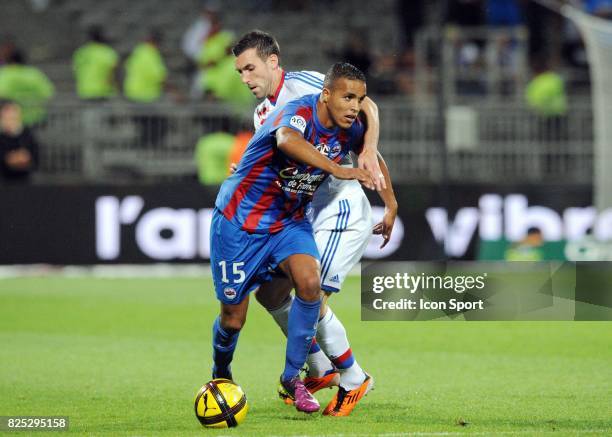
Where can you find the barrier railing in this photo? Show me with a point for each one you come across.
(486, 141)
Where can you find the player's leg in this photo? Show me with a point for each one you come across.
(226, 329)
(343, 245)
(301, 326)
(276, 298)
(296, 254)
(354, 381)
(237, 261)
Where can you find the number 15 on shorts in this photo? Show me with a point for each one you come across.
(238, 274)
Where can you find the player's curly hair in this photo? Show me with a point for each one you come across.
(342, 70)
(265, 44)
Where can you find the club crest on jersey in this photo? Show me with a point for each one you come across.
(326, 150)
(323, 148)
(229, 292)
(298, 122)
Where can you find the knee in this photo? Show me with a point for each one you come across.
(309, 288)
(232, 322)
(271, 301)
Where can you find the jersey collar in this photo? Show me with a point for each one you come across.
(278, 89)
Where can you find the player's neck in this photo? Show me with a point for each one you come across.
(324, 116)
(277, 80)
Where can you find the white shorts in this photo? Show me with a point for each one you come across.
(342, 223)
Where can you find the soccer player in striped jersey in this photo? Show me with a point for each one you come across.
(259, 222)
(340, 216)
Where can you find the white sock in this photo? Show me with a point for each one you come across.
(281, 314)
(318, 363)
(332, 339)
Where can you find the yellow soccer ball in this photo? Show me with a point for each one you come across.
(221, 403)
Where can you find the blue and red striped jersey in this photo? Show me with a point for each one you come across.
(269, 190)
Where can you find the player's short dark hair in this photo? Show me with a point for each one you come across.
(342, 70)
(263, 42)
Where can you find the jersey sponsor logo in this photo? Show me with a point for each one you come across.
(336, 149)
(229, 292)
(298, 122)
(300, 183)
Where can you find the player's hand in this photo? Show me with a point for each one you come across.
(368, 160)
(233, 168)
(385, 227)
(363, 176)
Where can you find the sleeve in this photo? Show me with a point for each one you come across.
(306, 82)
(296, 116)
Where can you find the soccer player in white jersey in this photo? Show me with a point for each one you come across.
(341, 218)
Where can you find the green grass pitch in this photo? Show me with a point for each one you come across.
(126, 357)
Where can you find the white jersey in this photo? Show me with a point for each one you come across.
(341, 213)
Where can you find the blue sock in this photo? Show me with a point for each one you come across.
(224, 344)
(302, 328)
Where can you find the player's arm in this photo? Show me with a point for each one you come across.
(385, 227)
(291, 143)
(368, 158)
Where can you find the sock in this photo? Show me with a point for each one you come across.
(281, 314)
(224, 344)
(318, 363)
(332, 338)
(301, 328)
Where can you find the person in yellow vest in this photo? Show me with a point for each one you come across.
(94, 66)
(145, 71)
(217, 76)
(145, 82)
(545, 93)
(212, 157)
(27, 86)
(529, 248)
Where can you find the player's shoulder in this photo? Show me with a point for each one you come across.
(312, 79)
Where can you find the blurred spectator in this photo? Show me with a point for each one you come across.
(545, 93)
(193, 40)
(601, 8)
(212, 157)
(26, 85)
(145, 80)
(529, 248)
(198, 32)
(218, 70)
(94, 67)
(145, 71)
(546, 96)
(18, 148)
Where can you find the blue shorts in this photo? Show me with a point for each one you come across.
(242, 261)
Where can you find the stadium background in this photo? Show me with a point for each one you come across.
(475, 158)
(447, 142)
